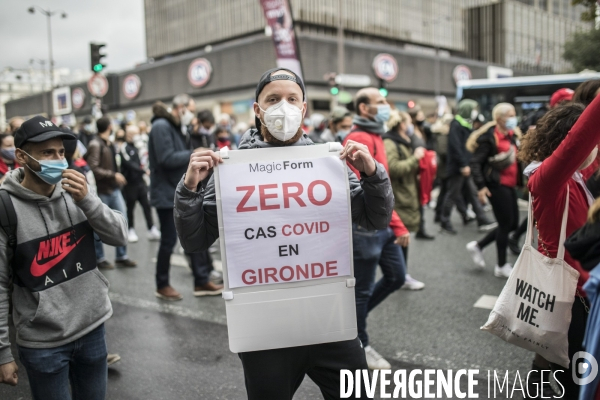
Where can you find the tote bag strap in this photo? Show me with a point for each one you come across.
(563, 229)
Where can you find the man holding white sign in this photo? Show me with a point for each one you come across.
(280, 106)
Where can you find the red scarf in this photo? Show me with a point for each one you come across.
(4, 168)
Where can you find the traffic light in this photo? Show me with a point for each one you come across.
(333, 86)
(382, 88)
(96, 63)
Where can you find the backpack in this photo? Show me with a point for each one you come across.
(8, 222)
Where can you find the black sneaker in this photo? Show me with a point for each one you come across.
(513, 245)
(423, 235)
(467, 220)
(126, 263)
(535, 381)
(105, 265)
(448, 228)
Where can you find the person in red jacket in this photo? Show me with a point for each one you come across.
(372, 248)
(562, 152)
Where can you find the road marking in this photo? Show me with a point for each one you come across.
(487, 302)
(166, 308)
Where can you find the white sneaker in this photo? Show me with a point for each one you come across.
(153, 234)
(471, 214)
(476, 254)
(132, 236)
(504, 271)
(411, 283)
(375, 360)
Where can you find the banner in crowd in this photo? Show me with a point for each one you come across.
(285, 220)
(279, 18)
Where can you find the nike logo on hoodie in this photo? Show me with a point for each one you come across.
(55, 247)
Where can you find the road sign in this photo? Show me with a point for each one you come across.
(353, 80)
(98, 85)
(131, 86)
(199, 72)
(78, 98)
(385, 67)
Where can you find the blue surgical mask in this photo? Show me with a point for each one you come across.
(511, 123)
(52, 170)
(410, 130)
(383, 113)
(8, 154)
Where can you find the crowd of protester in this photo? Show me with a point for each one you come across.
(473, 164)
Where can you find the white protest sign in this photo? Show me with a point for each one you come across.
(285, 220)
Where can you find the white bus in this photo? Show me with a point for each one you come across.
(526, 93)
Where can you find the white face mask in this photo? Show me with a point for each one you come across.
(474, 115)
(282, 120)
(187, 117)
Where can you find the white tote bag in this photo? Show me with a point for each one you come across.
(534, 308)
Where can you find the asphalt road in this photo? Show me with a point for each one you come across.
(180, 350)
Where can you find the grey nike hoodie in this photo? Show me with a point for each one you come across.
(59, 293)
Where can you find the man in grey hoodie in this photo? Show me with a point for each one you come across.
(277, 373)
(60, 299)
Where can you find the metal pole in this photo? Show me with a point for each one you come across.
(48, 16)
(340, 38)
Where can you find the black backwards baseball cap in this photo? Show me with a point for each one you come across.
(39, 129)
(266, 78)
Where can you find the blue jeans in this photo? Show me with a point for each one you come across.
(82, 363)
(372, 248)
(114, 201)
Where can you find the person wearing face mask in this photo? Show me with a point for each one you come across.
(382, 247)
(169, 154)
(7, 155)
(280, 108)
(340, 122)
(458, 171)
(496, 173)
(562, 153)
(60, 299)
(102, 160)
(223, 138)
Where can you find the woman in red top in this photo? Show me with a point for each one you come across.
(496, 180)
(562, 152)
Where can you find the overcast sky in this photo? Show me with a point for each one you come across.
(118, 23)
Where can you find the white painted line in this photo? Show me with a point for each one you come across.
(167, 308)
(487, 302)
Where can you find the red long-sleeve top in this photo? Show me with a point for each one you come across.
(548, 185)
(377, 149)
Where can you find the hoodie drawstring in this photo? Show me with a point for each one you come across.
(43, 219)
(73, 233)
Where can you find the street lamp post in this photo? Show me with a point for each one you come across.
(49, 15)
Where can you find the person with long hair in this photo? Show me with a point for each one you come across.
(403, 164)
(562, 154)
(495, 172)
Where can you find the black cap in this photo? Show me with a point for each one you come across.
(39, 129)
(266, 78)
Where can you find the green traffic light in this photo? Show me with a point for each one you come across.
(334, 91)
(98, 67)
(383, 91)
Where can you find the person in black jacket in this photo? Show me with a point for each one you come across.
(496, 173)
(136, 189)
(169, 156)
(458, 171)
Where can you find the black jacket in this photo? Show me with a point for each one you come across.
(131, 167)
(485, 147)
(584, 245)
(372, 201)
(457, 156)
(169, 155)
